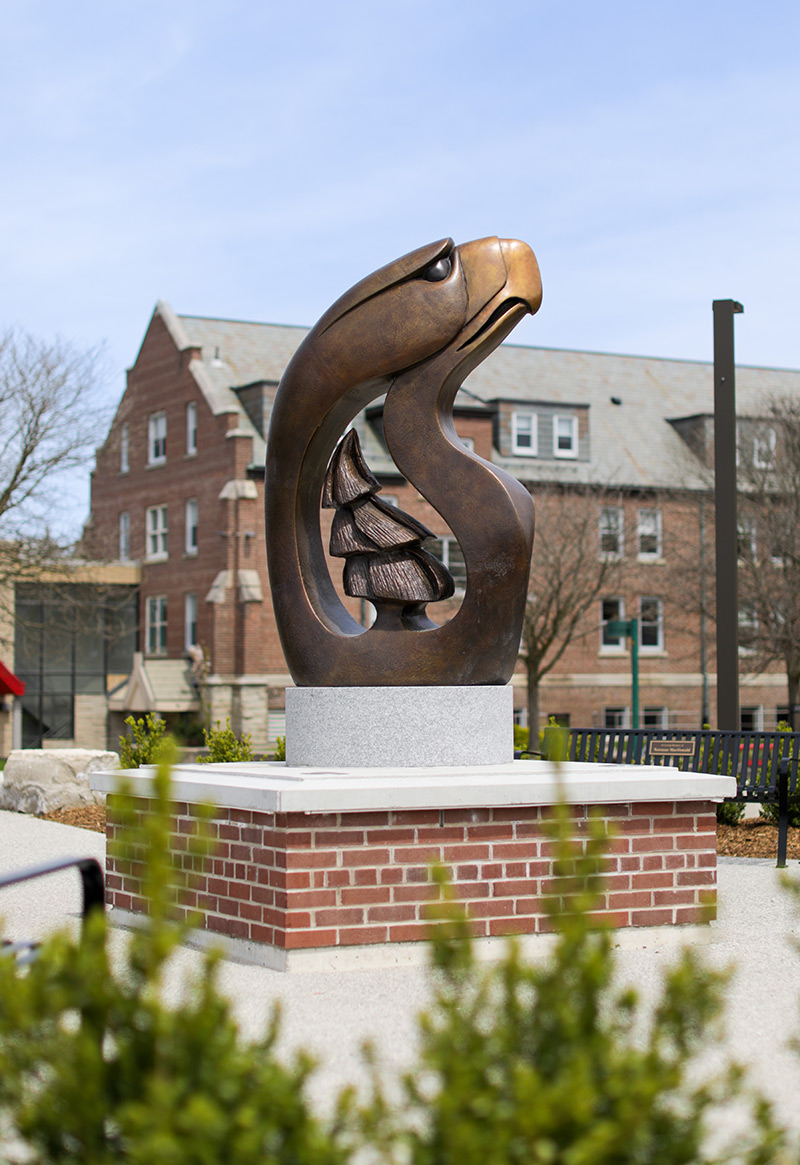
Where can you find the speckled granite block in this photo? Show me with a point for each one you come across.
(399, 727)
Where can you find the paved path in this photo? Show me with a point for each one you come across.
(331, 1012)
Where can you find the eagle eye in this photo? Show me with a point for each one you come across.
(438, 270)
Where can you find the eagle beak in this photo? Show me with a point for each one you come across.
(524, 281)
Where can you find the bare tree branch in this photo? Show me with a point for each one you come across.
(568, 577)
(50, 423)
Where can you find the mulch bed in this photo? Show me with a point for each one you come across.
(748, 839)
(84, 816)
(755, 839)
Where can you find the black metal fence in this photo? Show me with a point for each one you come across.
(764, 764)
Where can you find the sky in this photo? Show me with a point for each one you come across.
(252, 160)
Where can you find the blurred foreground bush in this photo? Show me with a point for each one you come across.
(519, 1063)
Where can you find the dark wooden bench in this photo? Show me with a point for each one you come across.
(765, 764)
(94, 896)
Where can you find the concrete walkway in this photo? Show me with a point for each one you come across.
(331, 1012)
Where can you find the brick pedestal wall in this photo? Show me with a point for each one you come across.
(295, 880)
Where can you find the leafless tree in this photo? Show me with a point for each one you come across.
(50, 423)
(568, 577)
(769, 541)
(51, 419)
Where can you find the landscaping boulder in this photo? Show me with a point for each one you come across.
(41, 780)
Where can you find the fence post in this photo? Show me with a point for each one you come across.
(783, 811)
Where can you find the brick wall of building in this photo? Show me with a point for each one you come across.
(341, 879)
(586, 683)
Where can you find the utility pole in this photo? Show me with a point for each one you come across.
(727, 557)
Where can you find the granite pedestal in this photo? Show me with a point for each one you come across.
(399, 727)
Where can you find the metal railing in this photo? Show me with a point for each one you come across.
(764, 764)
(92, 884)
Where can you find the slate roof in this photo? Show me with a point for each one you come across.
(632, 444)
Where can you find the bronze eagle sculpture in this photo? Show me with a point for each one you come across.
(412, 330)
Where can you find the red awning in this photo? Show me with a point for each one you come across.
(9, 684)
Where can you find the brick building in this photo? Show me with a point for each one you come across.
(178, 488)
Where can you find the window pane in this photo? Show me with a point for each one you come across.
(650, 532)
(191, 427)
(611, 530)
(615, 718)
(523, 429)
(654, 718)
(650, 622)
(611, 609)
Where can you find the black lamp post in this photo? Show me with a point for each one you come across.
(725, 519)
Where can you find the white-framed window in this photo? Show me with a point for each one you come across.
(611, 609)
(764, 444)
(190, 526)
(751, 719)
(655, 717)
(157, 438)
(391, 500)
(648, 532)
(616, 718)
(524, 434)
(612, 532)
(191, 428)
(124, 448)
(189, 621)
(746, 542)
(651, 624)
(467, 442)
(124, 536)
(450, 554)
(565, 436)
(156, 625)
(156, 533)
(748, 628)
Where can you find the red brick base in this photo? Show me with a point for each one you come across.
(297, 880)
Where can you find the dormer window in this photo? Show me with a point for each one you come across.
(565, 436)
(524, 434)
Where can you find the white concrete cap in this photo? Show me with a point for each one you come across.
(277, 787)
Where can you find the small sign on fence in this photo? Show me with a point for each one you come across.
(671, 748)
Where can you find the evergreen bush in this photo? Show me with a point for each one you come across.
(145, 743)
(95, 1068)
(730, 812)
(520, 1063)
(224, 745)
(554, 1062)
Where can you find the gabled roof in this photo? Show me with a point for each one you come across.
(157, 685)
(632, 442)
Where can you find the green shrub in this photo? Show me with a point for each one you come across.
(95, 1068)
(224, 745)
(145, 743)
(553, 1062)
(730, 812)
(280, 748)
(769, 812)
(520, 1064)
(521, 738)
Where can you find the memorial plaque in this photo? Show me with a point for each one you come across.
(671, 748)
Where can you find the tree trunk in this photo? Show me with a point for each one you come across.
(533, 708)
